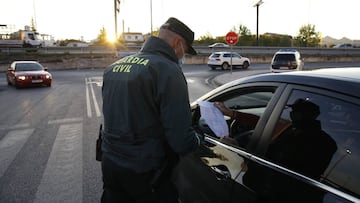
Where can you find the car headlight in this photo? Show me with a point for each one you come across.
(22, 77)
(47, 76)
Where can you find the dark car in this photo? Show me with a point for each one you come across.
(297, 139)
(28, 74)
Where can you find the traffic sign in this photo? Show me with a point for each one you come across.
(231, 38)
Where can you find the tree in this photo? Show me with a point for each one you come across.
(245, 38)
(244, 31)
(308, 37)
(102, 37)
(205, 39)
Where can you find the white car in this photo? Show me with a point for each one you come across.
(219, 45)
(224, 60)
(286, 60)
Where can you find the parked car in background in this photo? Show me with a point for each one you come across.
(27, 74)
(344, 45)
(219, 45)
(296, 139)
(286, 60)
(225, 59)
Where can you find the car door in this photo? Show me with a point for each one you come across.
(310, 152)
(214, 172)
(237, 60)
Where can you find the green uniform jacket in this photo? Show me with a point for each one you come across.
(146, 103)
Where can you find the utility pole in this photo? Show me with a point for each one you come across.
(33, 21)
(116, 11)
(151, 21)
(257, 4)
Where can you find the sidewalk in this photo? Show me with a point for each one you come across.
(230, 76)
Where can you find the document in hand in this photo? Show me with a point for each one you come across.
(214, 118)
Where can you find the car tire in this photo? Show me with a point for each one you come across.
(245, 65)
(225, 66)
(16, 85)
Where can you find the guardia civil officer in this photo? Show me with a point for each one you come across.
(147, 118)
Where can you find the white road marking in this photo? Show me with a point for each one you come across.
(88, 107)
(89, 83)
(10, 146)
(96, 105)
(5, 127)
(62, 178)
(65, 120)
(190, 80)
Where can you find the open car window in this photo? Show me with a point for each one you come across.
(250, 104)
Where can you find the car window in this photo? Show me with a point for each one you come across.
(235, 55)
(284, 57)
(27, 67)
(319, 136)
(215, 56)
(250, 103)
(227, 55)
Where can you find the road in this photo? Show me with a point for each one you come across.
(48, 135)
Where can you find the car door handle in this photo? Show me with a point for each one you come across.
(221, 172)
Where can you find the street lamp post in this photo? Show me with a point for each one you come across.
(151, 21)
(257, 4)
(116, 10)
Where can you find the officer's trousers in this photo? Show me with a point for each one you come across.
(124, 185)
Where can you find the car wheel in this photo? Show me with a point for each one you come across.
(245, 65)
(16, 85)
(225, 66)
(212, 67)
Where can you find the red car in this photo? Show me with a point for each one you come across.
(27, 74)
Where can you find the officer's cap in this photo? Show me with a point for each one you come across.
(181, 29)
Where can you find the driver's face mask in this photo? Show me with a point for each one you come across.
(182, 60)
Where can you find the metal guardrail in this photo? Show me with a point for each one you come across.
(202, 50)
(60, 50)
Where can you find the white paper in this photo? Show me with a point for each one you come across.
(214, 118)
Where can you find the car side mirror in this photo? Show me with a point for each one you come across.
(45, 69)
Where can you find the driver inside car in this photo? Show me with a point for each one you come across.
(239, 118)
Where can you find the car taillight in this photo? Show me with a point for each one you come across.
(293, 65)
(218, 59)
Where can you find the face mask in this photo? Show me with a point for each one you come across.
(182, 60)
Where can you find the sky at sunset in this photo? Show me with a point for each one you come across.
(76, 19)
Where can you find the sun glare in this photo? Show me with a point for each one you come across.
(111, 38)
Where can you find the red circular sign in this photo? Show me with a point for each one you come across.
(231, 38)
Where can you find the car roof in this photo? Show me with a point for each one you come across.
(25, 62)
(225, 52)
(287, 51)
(342, 80)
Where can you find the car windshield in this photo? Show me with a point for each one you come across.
(28, 67)
(284, 57)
